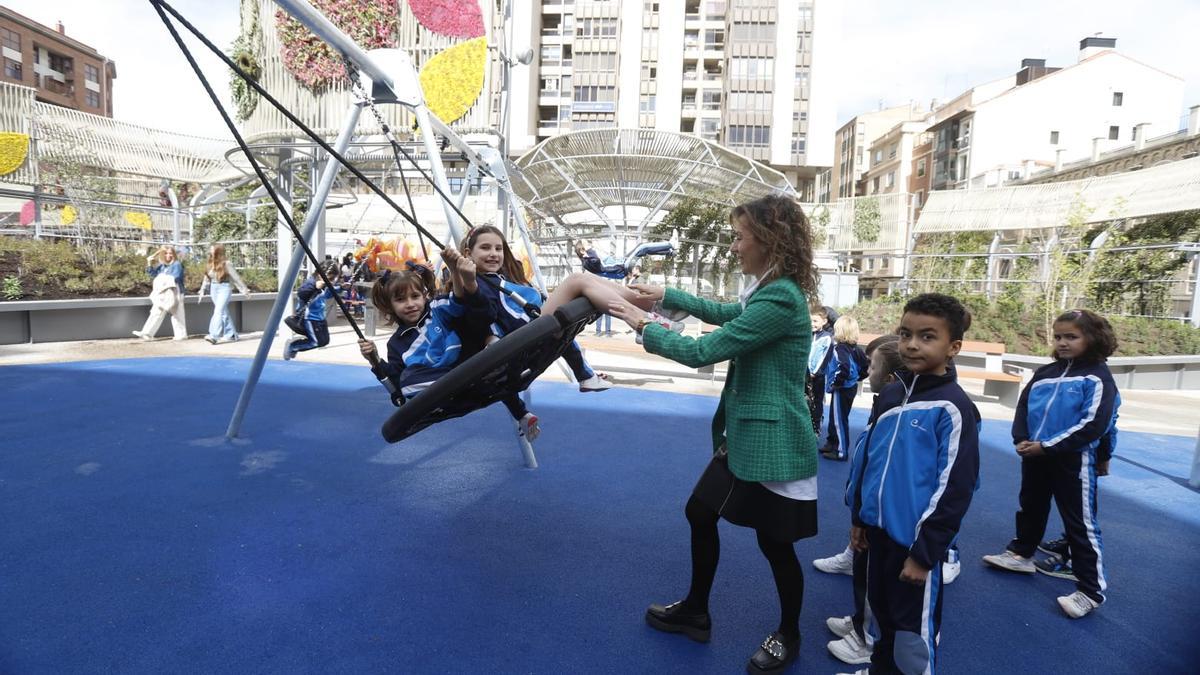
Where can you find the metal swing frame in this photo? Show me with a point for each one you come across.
(396, 83)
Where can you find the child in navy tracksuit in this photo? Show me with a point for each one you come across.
(822, 340)
(911, 483)
(432, 337)
(313, 293)
(846, 366)
(1065, 414)
(488, 249)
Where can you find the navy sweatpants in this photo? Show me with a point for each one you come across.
(908, 616)
(1070, 479)
(840, 402)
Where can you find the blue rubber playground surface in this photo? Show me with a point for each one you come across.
(134, 539)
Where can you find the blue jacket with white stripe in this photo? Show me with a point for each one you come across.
(509, 315)
(438, 344)
(1069, 406)
(915, 469)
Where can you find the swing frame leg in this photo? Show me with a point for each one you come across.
(523, 443)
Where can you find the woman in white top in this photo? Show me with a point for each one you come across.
(219, 273)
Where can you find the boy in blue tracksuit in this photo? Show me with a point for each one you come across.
(911, 483)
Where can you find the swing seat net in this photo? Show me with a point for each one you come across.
(506, 368)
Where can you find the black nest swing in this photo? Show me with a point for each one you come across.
(504, 369)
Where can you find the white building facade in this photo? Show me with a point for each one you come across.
(756, 76)
(1010, 129)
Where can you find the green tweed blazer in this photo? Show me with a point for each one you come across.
(763, 416)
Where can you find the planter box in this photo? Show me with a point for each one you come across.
(104, 318)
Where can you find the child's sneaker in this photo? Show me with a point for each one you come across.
(594, 383)
(1056, 547)
(864, 671)
(1055, 566)
(840, 626)
(1077, 604)
(1011, 561)
(529, 427)
(842, 563)
(850, 649)
(288, 354)
(950, 571)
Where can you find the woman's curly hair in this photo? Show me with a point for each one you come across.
(786, 236)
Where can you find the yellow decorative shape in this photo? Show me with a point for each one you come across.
(453, 78)
(67, 215)
(13, 150)
(138, 219)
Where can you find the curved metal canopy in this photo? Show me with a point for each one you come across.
(605, 171)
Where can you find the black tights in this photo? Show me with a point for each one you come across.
(706, 551)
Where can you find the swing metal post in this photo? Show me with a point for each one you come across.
(287, 279)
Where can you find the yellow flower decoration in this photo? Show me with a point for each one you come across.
(13, 150)
(67, 215)
(138, 219)
(453, 79)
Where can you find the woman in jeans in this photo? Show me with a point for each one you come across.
(219, 273)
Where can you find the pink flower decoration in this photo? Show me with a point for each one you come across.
(453, 18)
(370, 23)
(27, 211)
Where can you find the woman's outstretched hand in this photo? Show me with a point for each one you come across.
(627, 312)
(649, 291)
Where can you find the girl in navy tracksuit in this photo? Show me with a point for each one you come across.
(314, 293)
(432, 336)
(1065, 414)
(847, 365)
(492, 256)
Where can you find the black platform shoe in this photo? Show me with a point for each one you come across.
(674, 618)
(774, 654)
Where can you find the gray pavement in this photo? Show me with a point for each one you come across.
(1162, 412)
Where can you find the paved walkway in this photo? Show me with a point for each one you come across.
(1161, 412)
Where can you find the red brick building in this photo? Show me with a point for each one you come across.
(64, 71)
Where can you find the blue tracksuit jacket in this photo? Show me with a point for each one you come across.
(915, 469)
(316, 303)
(1069, 406)
(846, 366)
(437, 346)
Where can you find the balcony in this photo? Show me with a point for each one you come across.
(55, 87)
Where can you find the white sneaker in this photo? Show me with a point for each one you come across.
(950, 571)
(594, 383)
(864, 671)
(1077, 604)
(850, 649)
(841, 563)
(840, 626)
(1011, 561)
(529, 427)
(288, 354)
(144, 336)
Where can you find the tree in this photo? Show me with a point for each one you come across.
(702, 228)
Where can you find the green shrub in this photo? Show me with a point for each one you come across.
(1021, 327)
(12, 288)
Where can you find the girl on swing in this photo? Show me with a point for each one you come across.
(486, 247)
(433, 335)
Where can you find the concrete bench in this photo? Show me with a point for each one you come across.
(996, 382)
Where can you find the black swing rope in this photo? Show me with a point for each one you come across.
(376, 365)
(161, 6)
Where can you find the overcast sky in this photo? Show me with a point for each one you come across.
(889, 52)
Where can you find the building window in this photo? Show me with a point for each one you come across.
(751, 69)
(878, 157)
(1118, 98)
(1114, 133)
(91, 73)
(646, 103)
(891, 180)
(920, 167)
(918, 198)
(892, 151)
(1133, 133)
(749, 135)
(92, 99)
(10, 39)
(12, 69)
(799, 145)
(1053, 138)
(875, 185)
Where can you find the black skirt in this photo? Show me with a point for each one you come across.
(752, 505)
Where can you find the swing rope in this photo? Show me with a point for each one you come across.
(376, 364)
(162, 6)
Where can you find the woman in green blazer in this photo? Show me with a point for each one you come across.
(763, 471)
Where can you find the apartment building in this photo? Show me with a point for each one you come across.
(64, 71)
(1016, 126)
(744, 73)
(852, 147)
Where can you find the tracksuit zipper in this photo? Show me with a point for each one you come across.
(1053, 395)
(892, 443)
